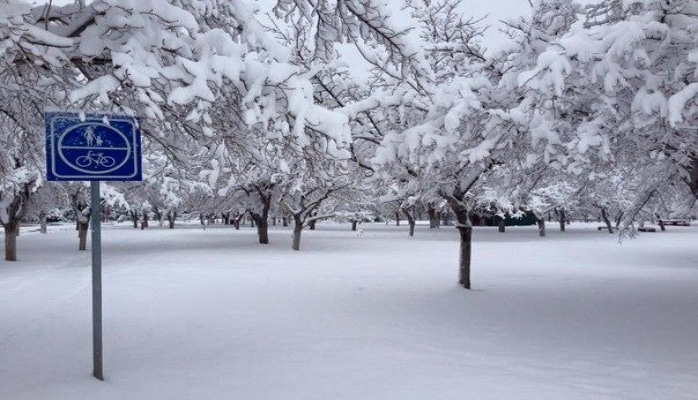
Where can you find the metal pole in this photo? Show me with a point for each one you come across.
(95, 211)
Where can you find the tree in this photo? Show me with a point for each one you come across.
(29, 61)
(445, 133)
(312, 178)
(624, 87)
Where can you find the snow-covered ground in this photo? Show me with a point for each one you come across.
(193, 314)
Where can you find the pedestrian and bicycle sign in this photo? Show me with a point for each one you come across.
(93, 147)
(90, 147)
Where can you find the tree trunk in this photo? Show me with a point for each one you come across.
(134, 218)
(353, 225)
(157, 216)
(465, 229)
(263, 231)
(619, 219)
(446, 219)
(11, 233)
(502, 225)
(82, 235)
(397, 218)
(42, 223)
(297, 230)
(604, 216)
(693, 175)
(410, 214)
(14, 213)
(260, 221)
(661, 225)
(284, 221)
(466, 239)
(541, 226)
(106, 213)
(433, 218)
(563, 219)
(311, 224)
(171, 217)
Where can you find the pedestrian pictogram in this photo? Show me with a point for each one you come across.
(84, 147)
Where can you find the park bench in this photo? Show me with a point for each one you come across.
(646, 229)
(676, 222)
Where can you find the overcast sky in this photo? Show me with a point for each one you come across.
(495, 11)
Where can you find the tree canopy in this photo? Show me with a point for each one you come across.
(251, 110)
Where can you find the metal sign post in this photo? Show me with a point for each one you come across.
(95, 215)
(93, 147)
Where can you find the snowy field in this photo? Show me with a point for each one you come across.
(193, 314)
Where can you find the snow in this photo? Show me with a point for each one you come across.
(555, 65)
(101, 87)
(650, 102)
(194, 314)
(678, 102)
(46, 38)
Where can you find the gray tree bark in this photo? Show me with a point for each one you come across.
(297, 231)
(171, 217)
(409, 213)
(446, 218)
(15, 211)
(261, 217)
(237, 219)
(465, 231)
(541, 226)
(42, 223)
(11, 233)
(562, 217)
(434, 220)
(262, 224)
(466, 240)
(693, 175)
(604, 216)
(134, 218)
(83, 227)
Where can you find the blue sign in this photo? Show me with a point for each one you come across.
(92, 147)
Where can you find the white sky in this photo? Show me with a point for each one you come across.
(495, 11)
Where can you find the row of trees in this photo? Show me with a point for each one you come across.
(246, 111)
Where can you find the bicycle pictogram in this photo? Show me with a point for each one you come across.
(98, 159)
